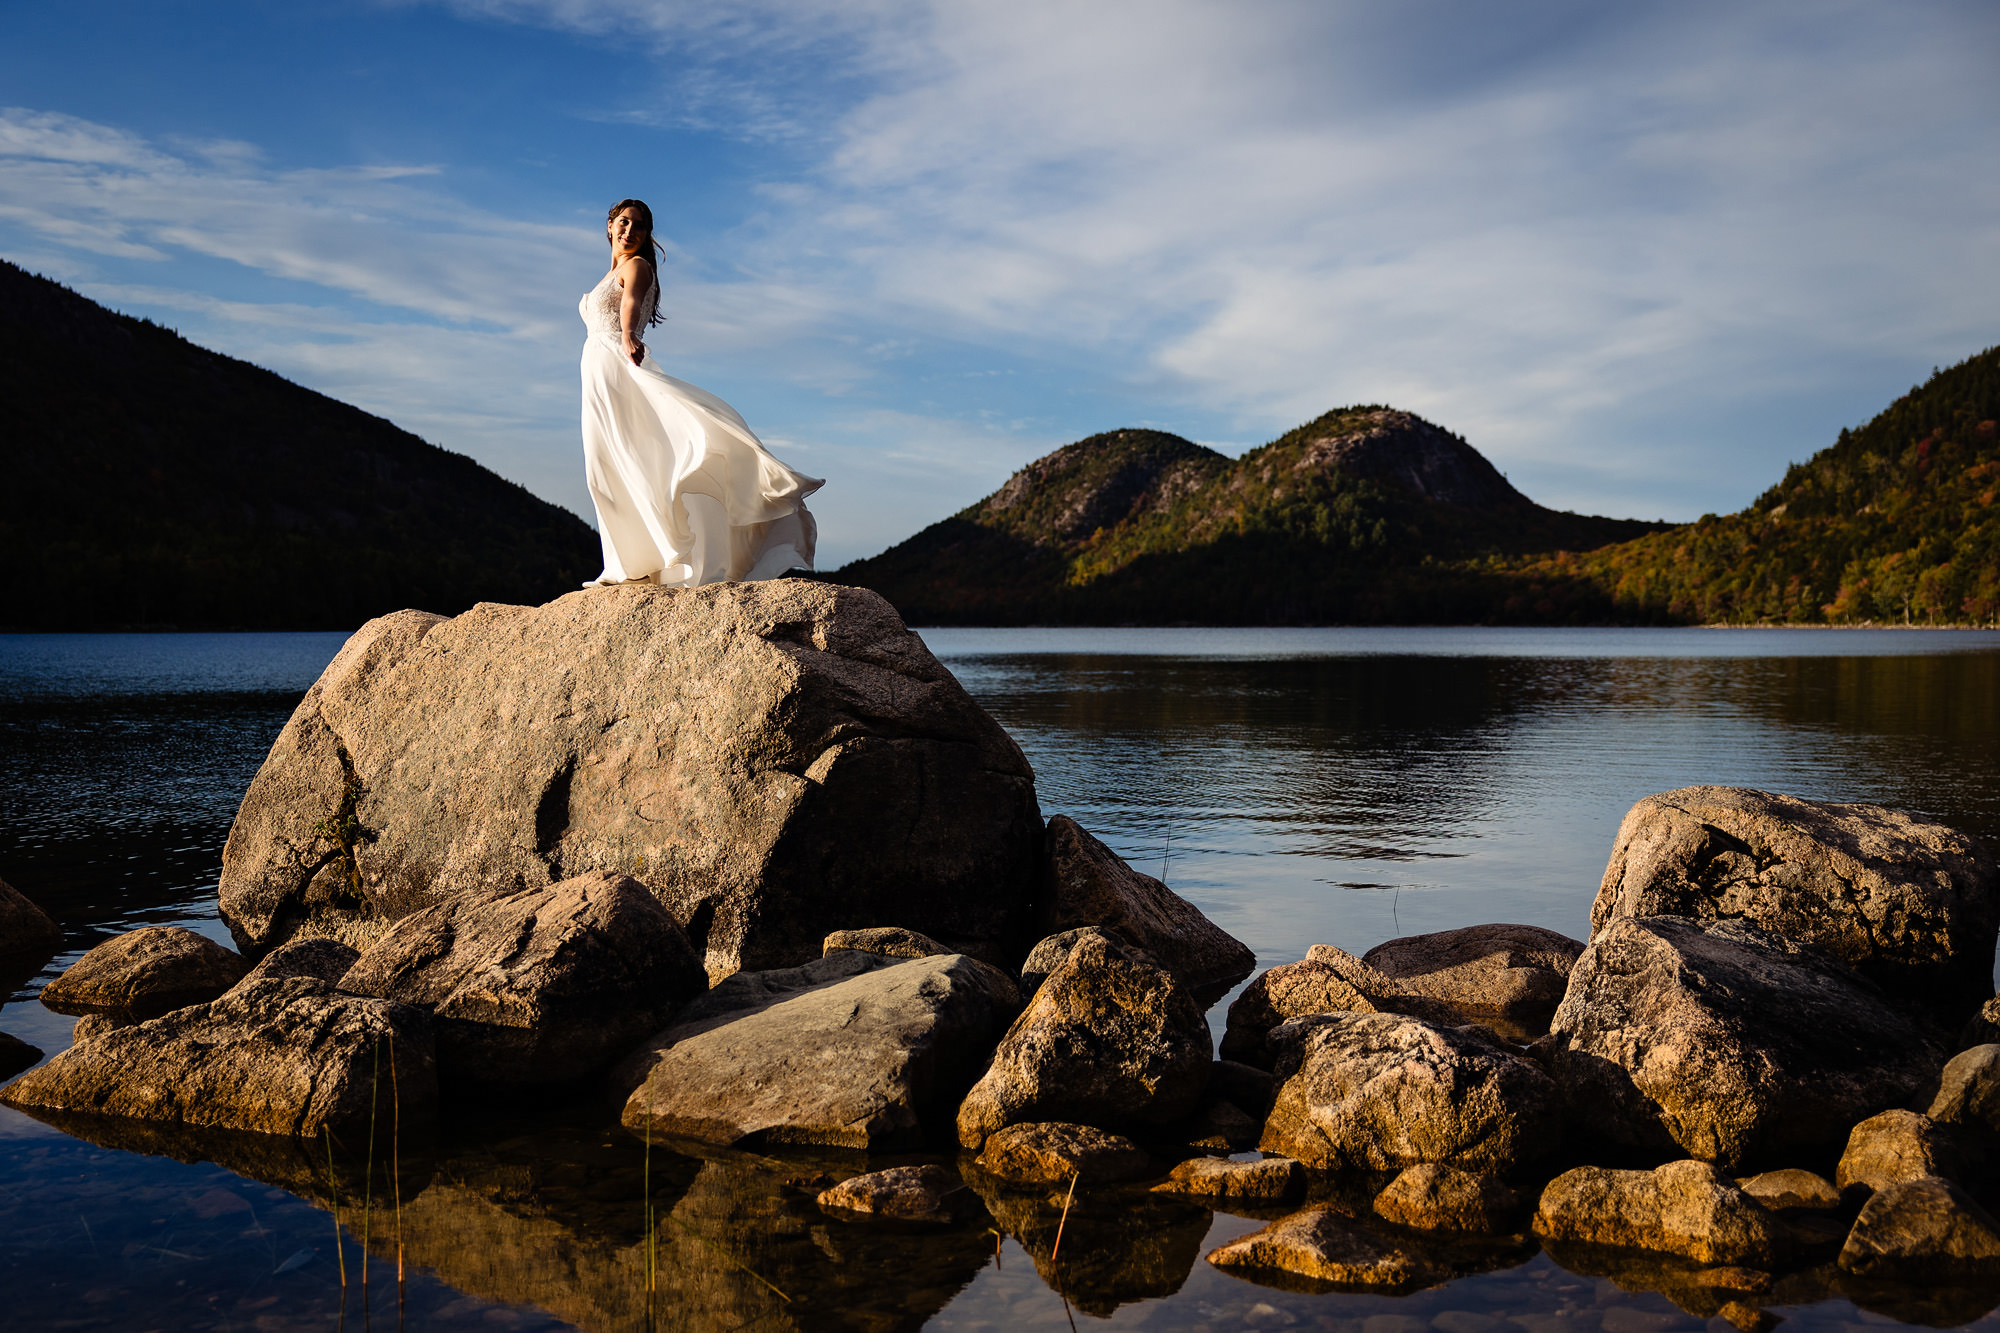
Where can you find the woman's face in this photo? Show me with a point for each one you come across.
(621, 228)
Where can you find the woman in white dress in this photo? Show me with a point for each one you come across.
(685, 493)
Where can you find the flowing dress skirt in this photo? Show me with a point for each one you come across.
(685, 492)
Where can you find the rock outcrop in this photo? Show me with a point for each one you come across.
(906, 1193)
(1272, 1180)
(1053, 1153)
(1090, 885)
(1685, 1208)
(773, 760)
(1726, 1042)
(287, 1055)
(1512, 974)
(1323, 1247)
(145, 973)
(854, 1050)
(1911, 905)
(1386, 1091)
(1924, 1230)
(541, 986)
(1429, 1197)
(1111, 1039)
(1893, 1148)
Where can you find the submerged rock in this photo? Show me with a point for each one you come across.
(773, 760)
(906, 1193)
(288, 1055)
(1387, 1091)
(1324, 1247)
(854, 1050)
(1894, 1147)
(1054, 1153)
(1430, 1197)
(1924, 1230)
(16, 1055)
(1272, 1180)
(1911, 905)
(1727, 1042)
(1685, 1208)
(1090, 885)
(145, 973)
(541, 986)
(1111, 1039)
(889, 941)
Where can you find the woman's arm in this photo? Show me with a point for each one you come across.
(637, 276)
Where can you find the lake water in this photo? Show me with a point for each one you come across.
(1302, 786)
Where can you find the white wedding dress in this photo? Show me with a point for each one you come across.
(685, 493)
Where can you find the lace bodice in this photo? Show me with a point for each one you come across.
(599, 306)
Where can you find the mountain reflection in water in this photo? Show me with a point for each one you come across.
(1332, 786)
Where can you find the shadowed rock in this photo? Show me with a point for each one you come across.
(283, 1056)
(1329, 1252)
(541, 986)
(1968, 1095)
(145, 973)
(1727, 1043)
(1047, 956)
(1685, 1208)
(1894, 1147)
(1983, 1028)
(889, 941)
(1273, 1180)
(1924, 1230)
(1509, 974)
(1090, 885)
(92, 1026)
(1326, 981)
(1911, 905)
(772, 760)
(1430, 1197)
(854, 1050)
(1054, 1153)
(1792, 1189)
(1111, 1039)
(906, 1193)
(29, 937)
(1387, 1091)
(326, 959)
(16, 1055)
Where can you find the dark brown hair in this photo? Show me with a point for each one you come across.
(649, 248)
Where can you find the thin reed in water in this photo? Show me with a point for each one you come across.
(333, 1188)
(396, 1159)
(368, 1167)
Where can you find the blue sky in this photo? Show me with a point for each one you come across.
(1640, 255)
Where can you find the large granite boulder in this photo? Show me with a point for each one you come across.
(1924, 1230)
(1911, 905)
(1502, 973)
(1091, 885)
(1684, 1208)
(1727, 1043)
(1110, 1039)
(773, 760)
(855, 1050)
(1387, 1091)
(287, 1055)
(541, 986)
(145, 973)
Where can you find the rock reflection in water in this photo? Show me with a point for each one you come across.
(1120, 1244)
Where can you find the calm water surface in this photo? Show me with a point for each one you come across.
(1301, 786)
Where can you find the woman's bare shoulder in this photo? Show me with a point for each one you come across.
(634, 268)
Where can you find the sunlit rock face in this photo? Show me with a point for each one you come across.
(774, 761)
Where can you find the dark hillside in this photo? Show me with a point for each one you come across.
(1365, 515)
(1895, 522)
(153, 483)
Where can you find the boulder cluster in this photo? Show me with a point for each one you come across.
(580, 848)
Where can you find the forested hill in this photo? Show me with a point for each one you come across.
(1895, 522)
(152, 483)
(1366, 514)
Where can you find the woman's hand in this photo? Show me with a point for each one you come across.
(634, 348)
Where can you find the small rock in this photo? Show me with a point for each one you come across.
(854, 1050)
(1792, 1189)
(1969, 1091)
(1111, 1038)
(289, 1055)
(1684, 1208)
(889, 941)
(145, 973)
(1387, 1091)
(542, 986)
(92, 1026)
(1273, 1180)
(1430, 1197)
(16, 1055)
(1924, 1230)
(1054, 1153)
(1047, 956)
(1090, 885)
(1513, 973)
(1911, 905)
(908, 1193)
(327, 959)
(1894, 1147)
(1321, 1245)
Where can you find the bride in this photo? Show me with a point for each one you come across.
(685, 493)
